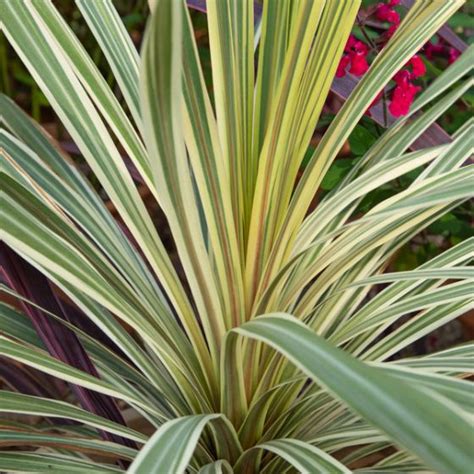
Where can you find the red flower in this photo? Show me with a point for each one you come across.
(391, 30)
(359, 64)
(341, 69)
(418, 66)
(453, 54)
(351, 42)
(403, 94)
(353, 45)
(385, 13)
(441, 49)
(432, 49)
(356, 56)
(402, 77)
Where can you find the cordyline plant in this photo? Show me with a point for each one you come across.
(270, 353)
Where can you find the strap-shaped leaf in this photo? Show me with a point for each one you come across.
(233, 402)
(231, 34)
(453, 158)
(17, 325)
(455, 390)
(12, 402)
(93, 81)
(333, 208)
(117, 46)
(306, 458)
(435, 273)
(253, 426)
(212, 175)
(161, 96)
(412, 330)
(42, 361)
(30, 462)
(276, 23)
(460, 254)
(420, 325)
(171, 448)
(55, 76)
(217, 467)
(439, 296)
(455, 359)
(409, 415)
(9, 437)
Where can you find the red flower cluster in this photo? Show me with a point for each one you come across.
(440, 48)
(386, 13)
(404, 92)
(355, 54)
(418, 66)
(453, 54)
(433, 49)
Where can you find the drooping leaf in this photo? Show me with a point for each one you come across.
(409, 414)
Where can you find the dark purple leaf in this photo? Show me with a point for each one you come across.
(26, 380)
(60, 341)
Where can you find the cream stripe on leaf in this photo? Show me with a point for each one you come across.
(63, 39)
(32, 462)
(279, 144)
(419, 25)
(13, 402)
(212, 175)
(231, 35)
(374, 394)
(117, 46)
(53, 73)
(161, 95)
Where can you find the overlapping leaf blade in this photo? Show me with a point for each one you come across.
(393, 406)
